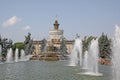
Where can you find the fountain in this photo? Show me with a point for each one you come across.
(85, 60)
(93, 52)
(0, 53)
(0, 50)
(76, 55)
(9, 55)
(22, 55)
(116, 54)
(73, 58)
(16, 55)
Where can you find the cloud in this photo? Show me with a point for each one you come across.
(11, 21)
(26, 28)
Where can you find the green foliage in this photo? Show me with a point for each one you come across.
(104, 46)
(86, 41)
(63, 48)
(19, 45)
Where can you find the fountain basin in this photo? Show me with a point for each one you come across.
(91, 74)
(47, 56)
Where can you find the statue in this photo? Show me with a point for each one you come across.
(28, 44)
(27, 38)
(5, 45)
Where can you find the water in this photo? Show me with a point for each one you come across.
(0, 53)
(73, 58)
(42, 70)
(0, 50)
(76, 55)
(45, 47)
(116, 54)
(85, 60)
(22, 55)
(9, 55)
(93, 52)
(16, 55)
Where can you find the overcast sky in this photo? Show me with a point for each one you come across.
(85, 17)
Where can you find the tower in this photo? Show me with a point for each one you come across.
(55, 34)
(56, 25)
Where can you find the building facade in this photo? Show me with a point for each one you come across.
(55, 39)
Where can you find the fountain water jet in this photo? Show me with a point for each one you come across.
(76, 55)
(9, 55)
(116, 54)
(85, 60)
(22, 55)
(16, 55)
(93, 58)
(0, 50)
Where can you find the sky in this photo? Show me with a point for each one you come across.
(83, 17)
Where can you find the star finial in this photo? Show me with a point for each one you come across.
(56, 18)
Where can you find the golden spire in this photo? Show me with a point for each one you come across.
(56, 25)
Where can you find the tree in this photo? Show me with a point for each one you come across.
(86, 41)
(104, 46)
(19, 45)
(63, 48)
(29, 47)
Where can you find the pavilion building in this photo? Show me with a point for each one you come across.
(55, 38)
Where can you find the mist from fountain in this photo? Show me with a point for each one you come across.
(22, 55)
(85, 60)
(116, 54)
(93, 58)
(16, 55)
(73, 58)
(0, 50)
(9, 57)
(45, 47)
(76, 54)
